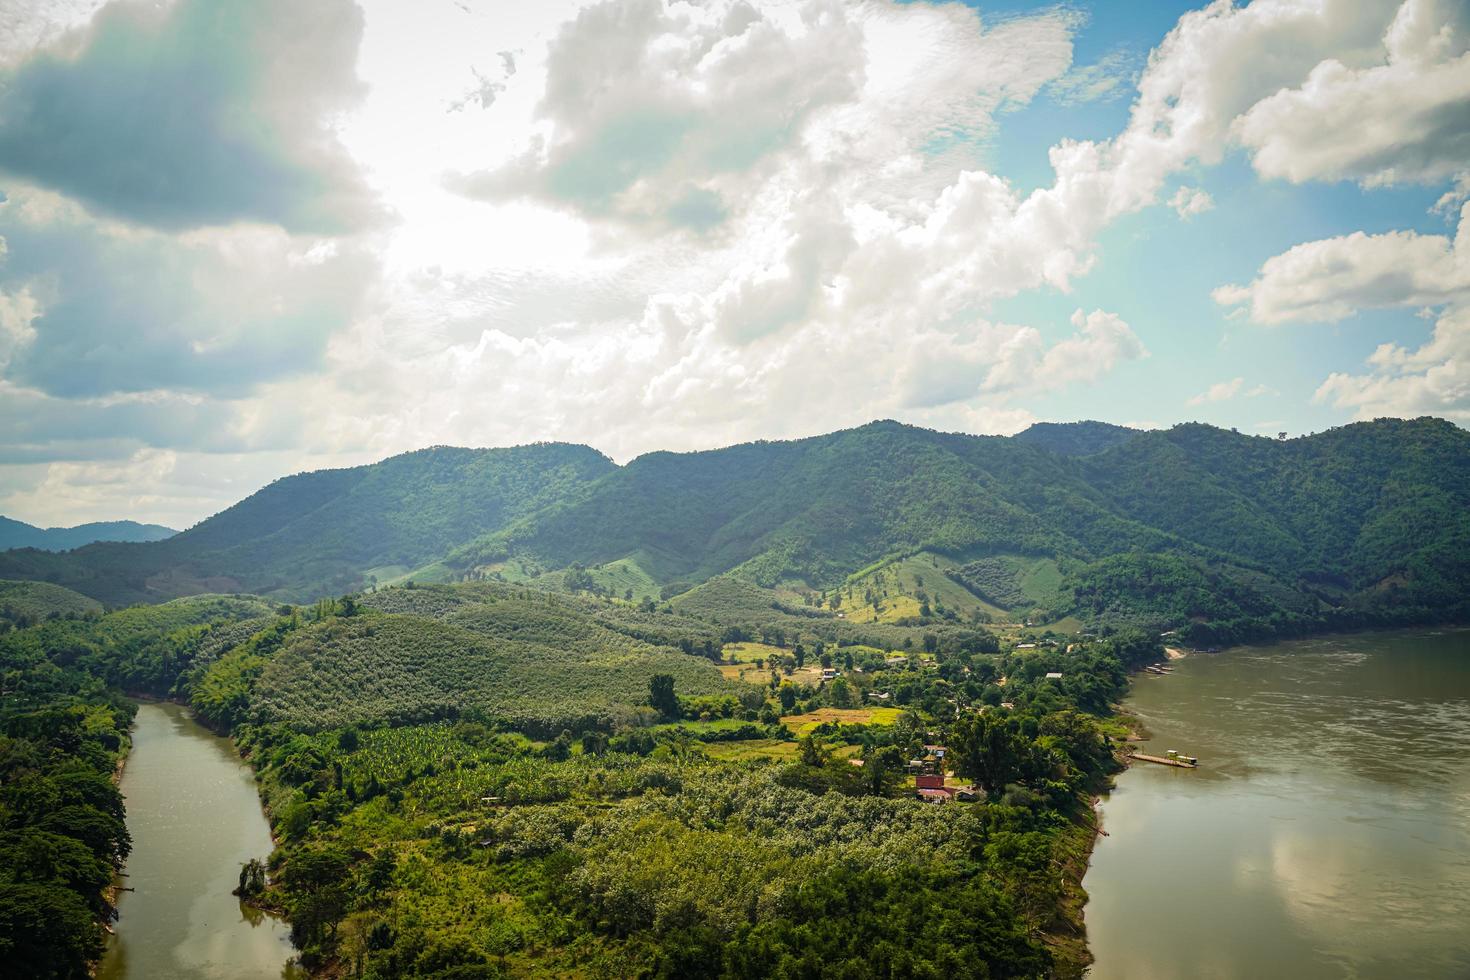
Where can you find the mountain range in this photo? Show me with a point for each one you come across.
(18, 534)
(1085, 521)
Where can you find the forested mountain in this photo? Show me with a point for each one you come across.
(1100, 522)
(1076, 438)
(18, 534)
(332, 530)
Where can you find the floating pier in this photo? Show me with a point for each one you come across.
(1182, 762)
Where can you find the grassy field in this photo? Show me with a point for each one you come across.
(897, 585)
(802, 724)
(749, 653)
(760, 748)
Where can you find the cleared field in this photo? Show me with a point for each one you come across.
(895, 588)
(756, 748)
(802, 724)
(747, 653)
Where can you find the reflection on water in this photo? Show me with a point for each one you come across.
(1327, 833)
(194, 818)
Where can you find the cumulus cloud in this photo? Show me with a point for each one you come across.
(1190, 201)
(90, 308)
(194, 113)
(648, 107)
(677, 115)
(1404, 119)
(1330, 279)
(1223, 391)
(1433, 379)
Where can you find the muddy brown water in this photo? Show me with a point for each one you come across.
(194, 816)
(1327, 832)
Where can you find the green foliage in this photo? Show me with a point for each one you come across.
(1362, 519)
(62, 830)
(317, 533)
(1076, 438)
(667, 864)
(539, 668)
(24, 604)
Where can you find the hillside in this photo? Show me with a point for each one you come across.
(469, 759)
(25, 603)
(18, 534)
(881, 524)
(329, 531)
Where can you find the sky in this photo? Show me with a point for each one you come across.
(246, 238)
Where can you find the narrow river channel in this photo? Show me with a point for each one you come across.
(195, 818)
(1327, 832)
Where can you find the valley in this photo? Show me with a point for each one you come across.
(839, 706)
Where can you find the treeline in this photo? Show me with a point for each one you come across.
(62, 831)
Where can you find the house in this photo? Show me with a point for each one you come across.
(935, 750)
(828, 674)
(879, 695)
(966, 794)
(1054, 676)
(1008, 705)
(1025, 646)
(931, 788)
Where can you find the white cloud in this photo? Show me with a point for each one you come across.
(656, 114)
(1333, 278)
(95, 307)
(1404, 119)
(1190, 201)
(1223, 391)
(1433, 379)
(1105, 80)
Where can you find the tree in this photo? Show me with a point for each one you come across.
(661, 695)
(883, 770)
(787, 694)
(252, 878)
(990, 750)
(47, 931)
(800, 652)
(318, 880)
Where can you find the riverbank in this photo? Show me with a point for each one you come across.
(190, 837)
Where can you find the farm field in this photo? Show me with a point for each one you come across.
(896, 586)
(804, 724)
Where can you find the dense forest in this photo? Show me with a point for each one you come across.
(1223, 534)
(604, 769)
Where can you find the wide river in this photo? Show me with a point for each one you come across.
(1326, 832)
(195, 818)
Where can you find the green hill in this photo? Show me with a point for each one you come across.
(25, 603)
(1358, 524)
(325, 532)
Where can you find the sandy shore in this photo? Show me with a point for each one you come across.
(1174, 653)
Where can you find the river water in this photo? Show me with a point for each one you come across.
(1327, 832)
(195, 818)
